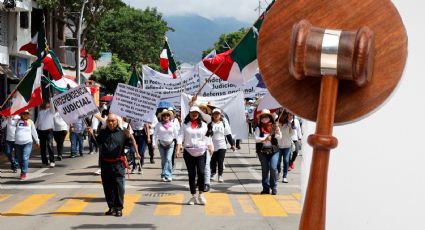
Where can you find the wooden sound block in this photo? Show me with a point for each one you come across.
(302, 96)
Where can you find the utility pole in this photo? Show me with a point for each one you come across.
(77, 65)
(259, 8)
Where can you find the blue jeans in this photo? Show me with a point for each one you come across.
(76, 143)
(23, 153)
(10, 145)
(284, 153)
(269, 170)
(166, 163)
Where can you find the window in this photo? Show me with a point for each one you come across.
(24, 20)
(3, 28)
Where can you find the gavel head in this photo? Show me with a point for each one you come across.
(315, 52)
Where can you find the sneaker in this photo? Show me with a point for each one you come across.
(81, 154)
(152, 161)
(139, 171)
(169, 179)
(98, 172)
(23, 176)
(224, 166)
(201, 199)
(133, 171)
(164, 179)
(90, 153)
(207, 187)
(213, 177)
(15, 170)
(73, 155)
(265, 192)
(220, 179)
(285, 180)
(59, 158)
(118, 213)
(192, 200)
(52, 164)
(274, 192)
(110, 212)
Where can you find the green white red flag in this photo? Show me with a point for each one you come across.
(166, 60)
(238, 65)
(28, 93)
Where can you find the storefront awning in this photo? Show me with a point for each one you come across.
(8, 72)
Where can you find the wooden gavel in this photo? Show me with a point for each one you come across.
(324, 74)
(332, 55)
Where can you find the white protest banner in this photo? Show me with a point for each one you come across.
(219, 87)
(134, 103)
(170, 89)
(268, 102)
(231, 104)
(74, 104)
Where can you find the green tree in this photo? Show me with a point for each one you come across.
(226, 41)
(135, 36)
(109, 76)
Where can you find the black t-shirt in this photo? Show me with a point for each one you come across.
(111, 143)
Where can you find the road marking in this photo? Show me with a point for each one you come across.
(38, 173)
(169, 205)
(288, 203)
(218, 204)
(28, 205)
(246, 204)
(297, 195)
(74, 205)
(254, 173)
(129, 203)
(4, 197)
(268, 206)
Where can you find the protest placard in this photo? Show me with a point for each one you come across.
(74, 104)
(134, 103)
(231, 104)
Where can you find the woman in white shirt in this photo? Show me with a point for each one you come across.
(220, 132)
(10, 124)
(266, 135)
(285, 144)
(24, 134)
(164, 135)
(45, 125)
(195, 144)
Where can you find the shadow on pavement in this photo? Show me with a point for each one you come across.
(115, 226)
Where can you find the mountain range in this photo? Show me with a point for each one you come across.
(194, 33)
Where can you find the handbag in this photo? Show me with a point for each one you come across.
(166, 144)
(269, 150)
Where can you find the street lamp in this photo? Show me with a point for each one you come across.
(77, 65)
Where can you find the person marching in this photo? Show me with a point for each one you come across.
(296, 138)
(220, 132)
(112, 163)
(24, 134)
(195, 146)
(164, 135)
(266, 135)
(77, 137)
(60, 130)
(207, 180)
(285, 144)
(45, 125)
(176, 122)
(10, 123)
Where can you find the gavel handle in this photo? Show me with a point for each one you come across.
(314, 210)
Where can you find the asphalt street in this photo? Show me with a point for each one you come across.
(70, 196)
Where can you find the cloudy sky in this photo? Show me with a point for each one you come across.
(242, 10)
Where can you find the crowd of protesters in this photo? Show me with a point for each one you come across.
(202, 138)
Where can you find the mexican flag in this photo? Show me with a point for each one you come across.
(166, 60)
(134, 79)
(238, 65)
(37, 45)
(28, 92)
(53, 66)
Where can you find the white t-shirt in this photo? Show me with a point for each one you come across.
(219, 136)
(250, 111)
(45, 120)
(191, 138)
(59, 123)
(10, 123)
(25, 132)
(161, 133)
(287, 132)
